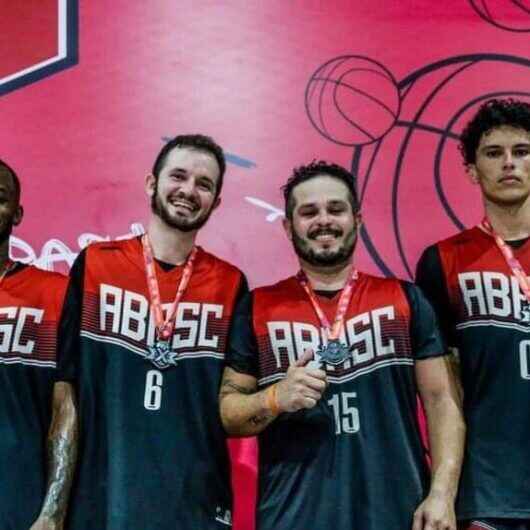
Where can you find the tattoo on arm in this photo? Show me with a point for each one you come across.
(62, 453)
(258, 420)
(238, 388)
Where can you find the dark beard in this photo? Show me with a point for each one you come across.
(181, 224)
(325, 259)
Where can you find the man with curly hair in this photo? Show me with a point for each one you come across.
(324, 367)
(478, 284)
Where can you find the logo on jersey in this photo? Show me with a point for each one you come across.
(124, 318)
(16, 326)
(493, 294)
(363, 333)
(50, 41)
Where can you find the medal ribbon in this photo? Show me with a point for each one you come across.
(333, 330)
(164, 327)
(509, 256)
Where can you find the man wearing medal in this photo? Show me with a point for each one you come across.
(145, 339)
(478, 284)
(339, 443)
(37, 415)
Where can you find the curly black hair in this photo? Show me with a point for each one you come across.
(193, 141)
(493, 113)
(8, 170)
(315, 168)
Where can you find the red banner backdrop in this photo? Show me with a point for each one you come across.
(88, 94)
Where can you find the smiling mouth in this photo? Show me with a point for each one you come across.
(324, 235)
(184, 204)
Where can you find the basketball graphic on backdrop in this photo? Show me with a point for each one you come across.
(352, 100)
(411, 180)
(510, 15)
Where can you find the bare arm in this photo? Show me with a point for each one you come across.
(441, 399)
(62, 453)
(245, 411)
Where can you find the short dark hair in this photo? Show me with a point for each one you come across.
(314, 169)
(5, 168)
(493, 113)
(193, 141)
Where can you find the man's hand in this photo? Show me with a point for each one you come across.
(43, 523)
(436, 512)
(302, 386)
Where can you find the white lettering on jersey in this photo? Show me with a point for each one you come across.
(128, 314)
(492, 294)
(11, 333)
(363, 333)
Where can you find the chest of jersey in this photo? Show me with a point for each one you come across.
(375, 326)
(28, 320)
(116, 304)
(480, 283)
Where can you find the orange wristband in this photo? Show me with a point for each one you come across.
(271, 399)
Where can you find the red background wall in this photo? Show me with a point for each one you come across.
(381, 87)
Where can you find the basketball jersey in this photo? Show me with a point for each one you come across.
(152, 448)
(30, 306)
(470, 283)
(356, 460)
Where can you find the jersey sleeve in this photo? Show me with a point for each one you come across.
(431, 280)
(426, 339)
(242, 352)
(70, 323)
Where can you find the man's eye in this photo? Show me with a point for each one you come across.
(521, 152)
(493, 153)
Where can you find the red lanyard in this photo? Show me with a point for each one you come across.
(509, 256)
(164, 327)
(334, 330)
(10, 265)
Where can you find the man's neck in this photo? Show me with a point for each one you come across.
(4, 254)
(510, 222)
(327, 278)
(169, 245)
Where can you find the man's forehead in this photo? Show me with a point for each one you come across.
(505, 134)
(321, 188)
(190, 157)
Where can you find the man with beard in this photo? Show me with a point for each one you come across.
(37, 417)
(147, 328)
(339, 444)
(478, 283)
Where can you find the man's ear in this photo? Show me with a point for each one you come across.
(472, 173)
(150, 184)
(19, 214)
(287, 226)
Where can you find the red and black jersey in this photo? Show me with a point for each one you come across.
(356, 460)
(153, 452)
(30, 305)
(478, 298)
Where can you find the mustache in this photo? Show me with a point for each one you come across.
(313, 234)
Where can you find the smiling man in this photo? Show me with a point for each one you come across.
(339, 444)
(477, 282)
(145, 338)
